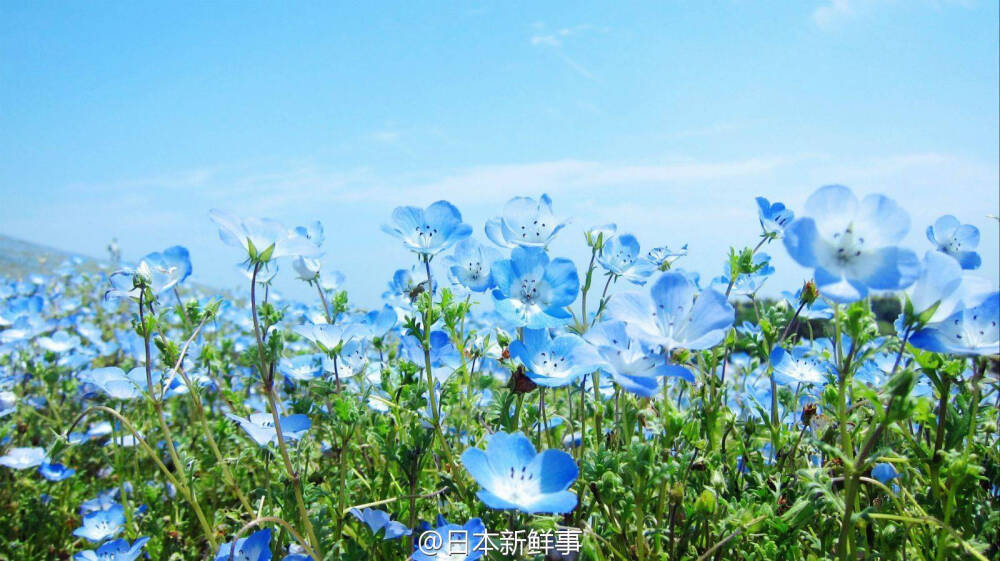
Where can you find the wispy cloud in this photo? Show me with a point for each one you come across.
(834, 12)
(553, 41)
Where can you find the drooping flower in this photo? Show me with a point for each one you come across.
(255, 547)
(379, 519)
(631, 364)
(958, 240)
(940, 276)
(800, 366)
(884, 472)
(745, 283)
(262, 238)
(260, 427)
(100, 525)
(445, 358)
(663, 257)
(674, 314)
(818, 309)
(524, 222)
(115, 550)
(554, 362)
(161, 272)
(471, 265)
(428, 231)
(620, 256)
(970, 330)
(513, 476)
(457, 543)
(852, 245)
(306, 268)
(116, 383)
(329, 338)
(300, 367)
(533, 291)
(55, 472)
(23, 458)
(774, 217)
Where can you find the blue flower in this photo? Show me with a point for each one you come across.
(428, 231)
(162, 271)
(55, 472)
(329, 338)
(800, 366)
(23, 458)
(255, 547)
(851, 244)
(116, 550)
(116, 383)
(471, 264)
(970, 330)
(629, 362)
(102, 524)
(940, 277)
(663, 257)
(60, 342)
(513, 476)
(884, 472)
(819, 309)
(445, 358)
(554, 362)
(620, 257)
(379, 519)
(957, 240)
(746, 284)
(774, 218)
(457, 543)
(533, 291)
(524, 222)
(260, 427)
(674, 314)
(262, 237)
(300, 367)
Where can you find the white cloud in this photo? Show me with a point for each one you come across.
(833, 12)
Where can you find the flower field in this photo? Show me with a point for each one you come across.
(505, 402)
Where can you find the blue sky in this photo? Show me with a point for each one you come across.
(134, 119)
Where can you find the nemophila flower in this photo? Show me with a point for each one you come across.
(55, 472)
(445, 358)
(312, 232)
(958, 240)
(620, 256)
(60, 342)
(255, 547)
(379, 519)
(673, 314)
(513, 476)
(597, 235)
(940, 276)
(630, 363)
(852, 245)
(746, 283)
(329, 338)
(262, 238)
(663, 257)
(524, 222)
(260, 427)
(306, 268)
(471, 264)
(23, 458)
(457, 543)
(970, 330)
(300, 367)
(116, 383)
(819, 309)
(161, 270)
(554, 362)
(100, 525)
(116, 550)
(428, 231)
(774, 217)
(884, 472)
(532, 291)
(800, 366)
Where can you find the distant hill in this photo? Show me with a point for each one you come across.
(19, 258)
